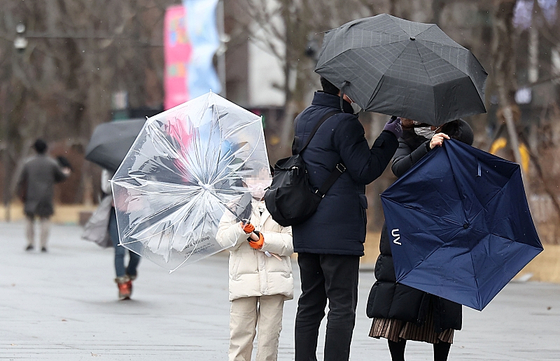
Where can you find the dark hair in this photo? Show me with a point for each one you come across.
(329, 87)
(40, 146)
(460, 130)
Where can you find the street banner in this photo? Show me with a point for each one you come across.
(203, 33)
(177, 54)
(190, 41)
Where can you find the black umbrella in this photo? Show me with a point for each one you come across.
(111, 141)
(399, 67)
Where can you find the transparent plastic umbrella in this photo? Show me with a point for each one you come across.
(185, 170)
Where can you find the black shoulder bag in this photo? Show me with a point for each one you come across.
(291, 199)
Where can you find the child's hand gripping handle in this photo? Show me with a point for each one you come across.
(249, 229)
(256, 239)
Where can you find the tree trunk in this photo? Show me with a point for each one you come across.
(504, 67)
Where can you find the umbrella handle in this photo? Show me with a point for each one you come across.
(268, 254)
(254, 237)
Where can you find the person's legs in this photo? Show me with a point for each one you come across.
(133, 261)
(242, 323)
(397, 350)
(30, 231)
(131, 273)
(441, 351)
(341, 284)
(45, 231)
(311, 307)
(119, 250)
(122, 280)
(269, 327)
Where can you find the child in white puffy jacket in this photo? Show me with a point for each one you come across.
(260, 280)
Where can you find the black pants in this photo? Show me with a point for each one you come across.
(323, 277)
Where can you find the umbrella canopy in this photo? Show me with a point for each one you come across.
(399, 67)
(111, 141)
(460, 225)
(186, 169)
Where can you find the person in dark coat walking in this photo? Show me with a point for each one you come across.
(330, 243)
(36, 188)
(400, 312)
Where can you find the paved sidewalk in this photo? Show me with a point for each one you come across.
(62, 306)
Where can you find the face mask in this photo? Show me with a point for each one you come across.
(257, 187)
(425, 132)
(355, 108)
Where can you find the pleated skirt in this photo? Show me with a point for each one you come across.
(396, 330)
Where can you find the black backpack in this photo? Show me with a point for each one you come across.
(291, 199)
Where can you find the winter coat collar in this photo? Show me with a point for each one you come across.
(259, 206)
(332, 101)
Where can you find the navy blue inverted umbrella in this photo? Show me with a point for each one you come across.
(460, 225)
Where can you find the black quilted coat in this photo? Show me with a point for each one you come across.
(389, 299)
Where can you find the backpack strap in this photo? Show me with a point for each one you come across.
(319, 123)
(339, 167)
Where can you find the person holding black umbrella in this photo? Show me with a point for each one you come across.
(400, 312)
(331, 242)
(109, 144)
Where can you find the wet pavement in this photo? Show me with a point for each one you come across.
(62, 305)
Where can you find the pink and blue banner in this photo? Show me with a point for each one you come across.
(177, 53)
(190, 41)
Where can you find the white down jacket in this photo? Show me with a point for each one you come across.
(252, 272)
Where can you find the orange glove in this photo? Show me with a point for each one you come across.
(247, 227)
(256, 244)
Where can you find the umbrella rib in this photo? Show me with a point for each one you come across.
(181, 157)
(475, 279)
(422, 62)
(457, 186)
(217, 128)
(220, 176)
(364, 47)
(496, 194)
(194, 156)
(149, 219)
(157, 134)
(430, 27)
(456, 45)
(445, 60)
(428, 40)
(447, 219)
(228, 159)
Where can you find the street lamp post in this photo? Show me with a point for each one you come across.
(20, 44)
(5, 161)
